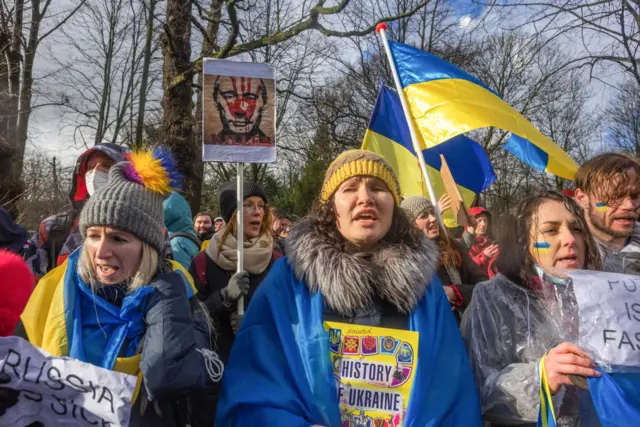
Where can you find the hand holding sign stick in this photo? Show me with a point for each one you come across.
(238, 117)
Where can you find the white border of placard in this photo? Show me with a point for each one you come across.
(235, 154)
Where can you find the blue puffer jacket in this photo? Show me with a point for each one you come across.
(173, 370)
(177, 219)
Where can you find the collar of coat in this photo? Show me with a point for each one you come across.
(350, 281)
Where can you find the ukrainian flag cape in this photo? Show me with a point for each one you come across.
(65, 318)
(614, 399)
(280, 372)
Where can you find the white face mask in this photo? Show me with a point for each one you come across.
(95, 180)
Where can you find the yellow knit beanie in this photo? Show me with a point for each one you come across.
(359, 163)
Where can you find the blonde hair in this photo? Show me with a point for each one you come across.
(232, 226)
(145, 272)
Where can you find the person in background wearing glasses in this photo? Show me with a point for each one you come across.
(608, 189)
(215, 270)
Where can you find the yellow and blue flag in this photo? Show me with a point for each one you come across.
(445, 102)
(388, 135)
(613, 399)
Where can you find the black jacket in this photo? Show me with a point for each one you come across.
(12, 236)
(381, 314)
(209, 294)
(470, 275)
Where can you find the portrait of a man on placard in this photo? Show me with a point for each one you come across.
(238, 111)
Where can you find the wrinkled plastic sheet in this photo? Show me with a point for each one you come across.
(601, 312)
(508, 328)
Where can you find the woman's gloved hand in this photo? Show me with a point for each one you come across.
(237, 287)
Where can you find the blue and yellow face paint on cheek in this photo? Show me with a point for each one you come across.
(542, 248)
(602, 207)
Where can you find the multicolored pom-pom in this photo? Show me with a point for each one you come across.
(155, 169)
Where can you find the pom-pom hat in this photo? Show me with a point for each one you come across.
(132, 199)
(353, 163)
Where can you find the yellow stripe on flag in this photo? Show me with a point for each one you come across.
(406, 166)
(442, 109)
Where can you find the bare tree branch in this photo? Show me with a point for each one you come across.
(310, 23)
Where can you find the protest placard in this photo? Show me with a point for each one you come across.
(374, 370)
(609, 312)
(59, 391)
(459, 209)
(238, 112)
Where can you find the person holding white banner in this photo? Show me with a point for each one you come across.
(510, 324)
(116, 304)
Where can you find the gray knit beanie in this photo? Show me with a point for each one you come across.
(127, 205)
(415, 205)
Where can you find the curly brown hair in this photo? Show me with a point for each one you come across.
(324, 220)
(514, 260)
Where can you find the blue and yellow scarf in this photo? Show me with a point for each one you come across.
(65, 318)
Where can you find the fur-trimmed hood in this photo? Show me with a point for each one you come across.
(349, 281)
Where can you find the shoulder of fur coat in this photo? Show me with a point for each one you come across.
(349, 281)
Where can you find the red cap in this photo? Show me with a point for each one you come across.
(381, 26)
(569, 193)
(15, 287)
(477, 210)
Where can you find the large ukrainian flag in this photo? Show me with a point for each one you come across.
(446, 102)
(388, 135)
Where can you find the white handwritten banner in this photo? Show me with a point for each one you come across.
(56, 391)
(609, 306)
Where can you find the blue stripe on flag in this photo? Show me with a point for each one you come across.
(419, 66)
(527, 152)
(468, 162)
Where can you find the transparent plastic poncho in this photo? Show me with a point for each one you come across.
(509, 327)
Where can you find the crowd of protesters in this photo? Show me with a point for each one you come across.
(363, 255)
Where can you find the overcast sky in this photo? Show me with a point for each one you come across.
(48, 135)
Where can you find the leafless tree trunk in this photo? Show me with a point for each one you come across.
(623, 118)
(608, 30)
(177, 100)
(231, 31)
(145, 72)
(100, 78)
(19, 56)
